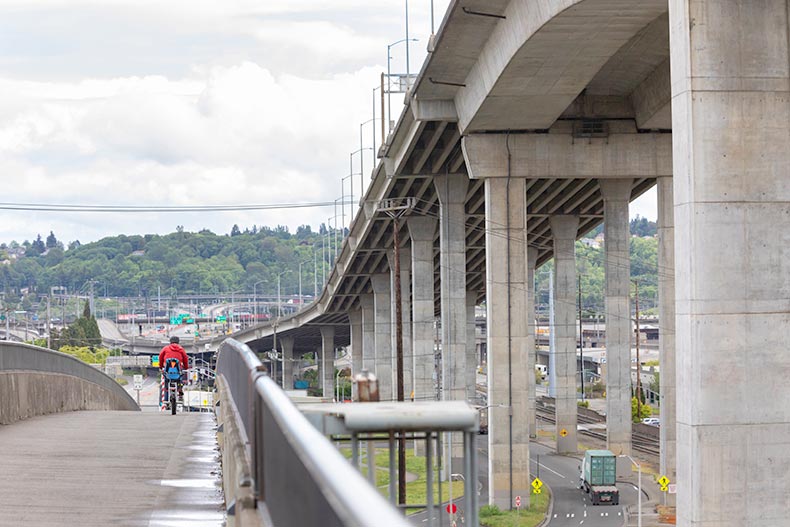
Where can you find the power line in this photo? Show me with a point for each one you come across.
(62, 207)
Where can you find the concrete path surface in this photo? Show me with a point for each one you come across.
(111, 468)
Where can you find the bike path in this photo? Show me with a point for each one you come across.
(111, 468)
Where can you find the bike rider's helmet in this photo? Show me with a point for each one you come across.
(174, 340)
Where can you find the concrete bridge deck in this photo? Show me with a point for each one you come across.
(111, 468)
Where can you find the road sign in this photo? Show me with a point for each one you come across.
(155, 361)
(518, 502)
(537, 486)
(673, 488)
(664, 482)
(138, 382)
(451, 508)
(563, 432)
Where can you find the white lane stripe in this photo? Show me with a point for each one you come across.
(550, 470)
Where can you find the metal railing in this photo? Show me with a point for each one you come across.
(300, 478)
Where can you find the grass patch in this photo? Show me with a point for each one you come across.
(121, 381)
(416, 491)
(492, 516)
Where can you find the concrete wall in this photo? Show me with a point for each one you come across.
(36, 381)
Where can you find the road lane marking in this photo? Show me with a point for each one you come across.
(547, 468)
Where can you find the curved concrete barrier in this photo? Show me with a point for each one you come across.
(37, 381)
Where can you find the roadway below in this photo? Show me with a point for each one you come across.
(572, 507)
(111, 468)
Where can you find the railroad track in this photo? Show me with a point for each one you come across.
(639, 442)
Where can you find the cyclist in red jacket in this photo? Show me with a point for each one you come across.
(174, 351)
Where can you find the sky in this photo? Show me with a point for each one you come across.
(191, 103)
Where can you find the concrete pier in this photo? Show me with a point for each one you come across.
(355, 322)
(287, 346)
(367, 307)
(617, 266)
(563, 230)
(506, 291)
(532, 258)
(731, 154)
(666, 334)
(328, 360)
(422, 232)
(451, 191)
(382, 300)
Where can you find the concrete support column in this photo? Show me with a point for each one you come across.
(532, 259)
(355, 322)
(452, 270)
(328, 361)
(287, 345)
(506, 305)
(563, 230)
(367, 306)
(422, 230)
(451, 191)
(666, 322)
(382, 304)
(405, 300)
(731, 156)
(471, 345)
(617, 267)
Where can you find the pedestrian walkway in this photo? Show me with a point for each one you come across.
(111, 468)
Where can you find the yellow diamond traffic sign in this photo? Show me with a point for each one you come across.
(537, 483)
(664, 482)
(563, 432)
(537, 491)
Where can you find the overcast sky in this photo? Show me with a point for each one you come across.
(190, 102)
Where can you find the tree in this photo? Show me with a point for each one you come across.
(235, 231)
(52, 241)
(645, 410)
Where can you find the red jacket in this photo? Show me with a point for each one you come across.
(173, 351)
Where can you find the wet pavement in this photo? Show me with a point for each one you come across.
(111, 468)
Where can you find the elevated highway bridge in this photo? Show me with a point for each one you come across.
(531, 122)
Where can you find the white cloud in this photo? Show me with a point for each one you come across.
(187, 102)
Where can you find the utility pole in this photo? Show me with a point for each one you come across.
(581, 335)
(638, 364)
(49, 322)
(395, 209)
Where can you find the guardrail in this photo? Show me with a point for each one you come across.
(299, 477)
(38, 381)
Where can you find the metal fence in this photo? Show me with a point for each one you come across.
(300, 477)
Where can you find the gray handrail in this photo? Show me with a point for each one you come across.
(300, 477)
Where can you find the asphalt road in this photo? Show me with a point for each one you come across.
(572, 507)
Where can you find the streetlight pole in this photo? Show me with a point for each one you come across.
(389, 71)
(639, 484)
(255, 297)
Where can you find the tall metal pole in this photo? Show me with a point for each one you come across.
(389, 95)
(638, 366)
(300, 285)
(408, 71)
(399, 358)
(279, 305)
(581, 335)
(361, 159)
(315, 273)
(49, 323)
(343, 204)
(432, 25)
(382, 108)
